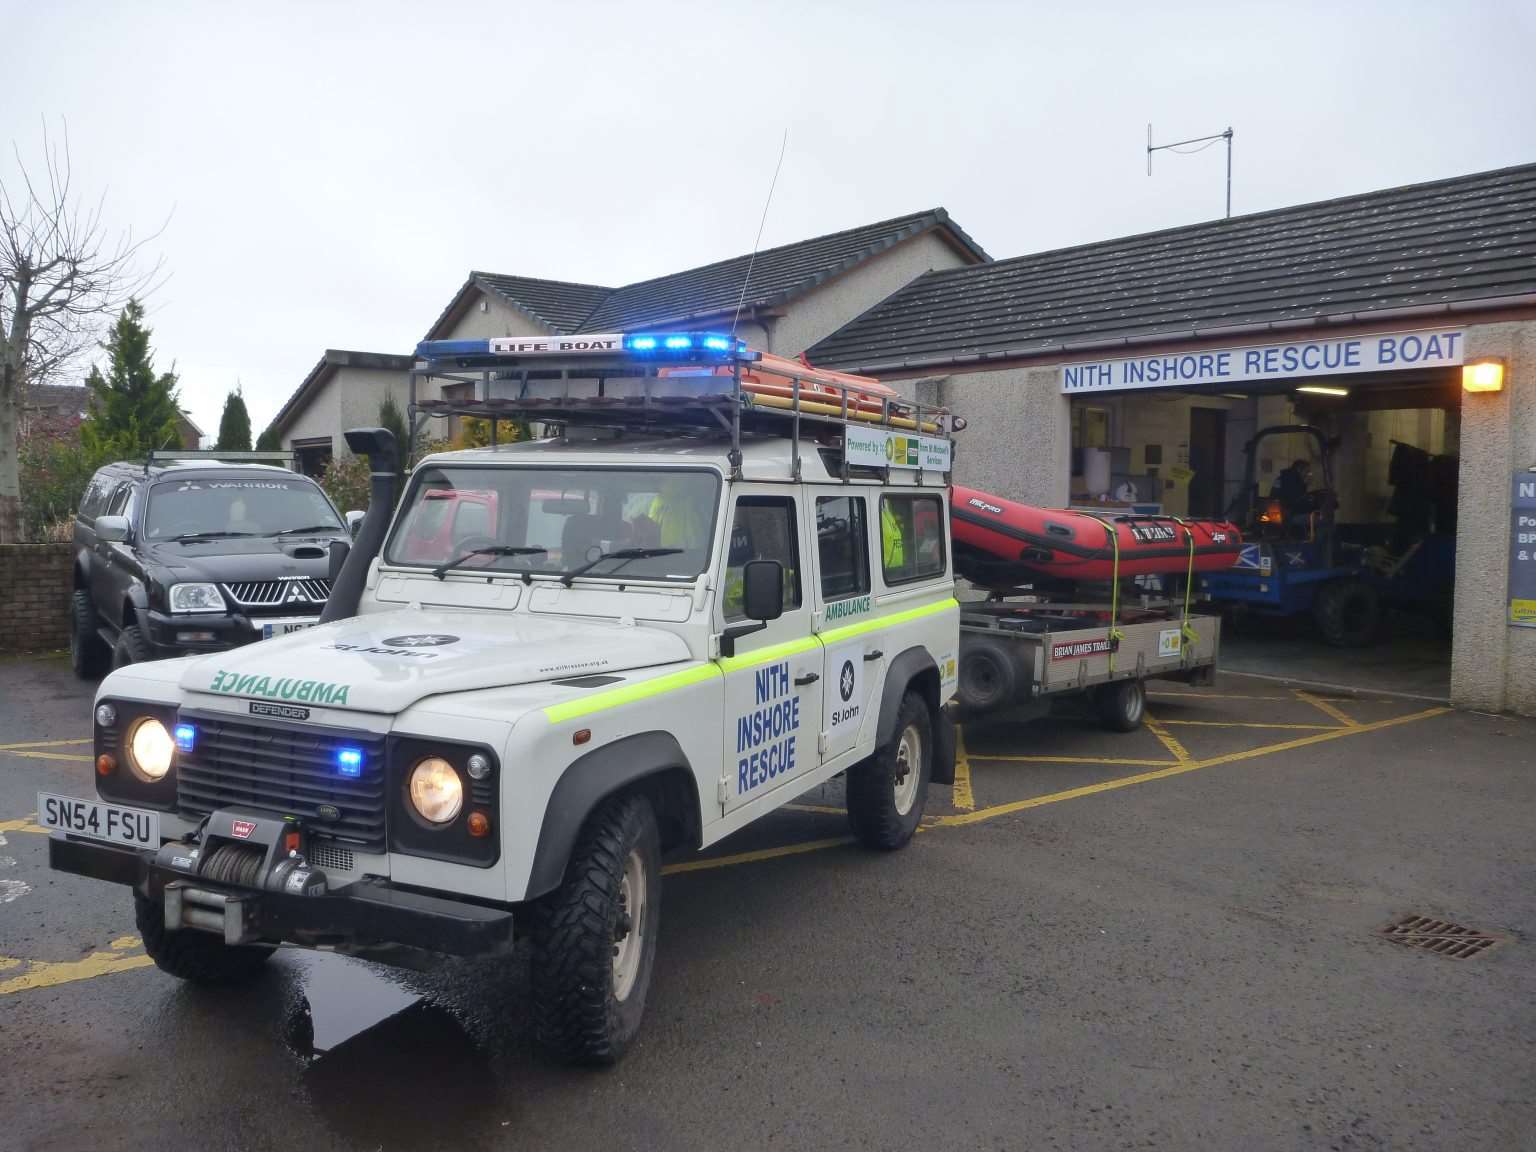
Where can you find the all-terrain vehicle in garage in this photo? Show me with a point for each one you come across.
(720, 580)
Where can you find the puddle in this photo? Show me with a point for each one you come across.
(385, 1067)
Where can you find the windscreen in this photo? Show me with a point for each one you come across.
(213, 507)
(558, 520)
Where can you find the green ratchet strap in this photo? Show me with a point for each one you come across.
(1186, 630)
(1115, 635)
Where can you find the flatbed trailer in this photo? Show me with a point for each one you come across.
(1018, 658)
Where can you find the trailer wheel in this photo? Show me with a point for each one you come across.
(1121, 705)
(987, 676)
(1348, 613)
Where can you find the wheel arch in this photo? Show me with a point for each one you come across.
(915, 669)
(650, 762)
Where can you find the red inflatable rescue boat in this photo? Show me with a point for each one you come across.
(1081, 545)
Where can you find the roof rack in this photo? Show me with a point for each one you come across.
(683, 381)
(280, 458)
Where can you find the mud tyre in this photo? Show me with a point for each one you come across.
(131, 648)
(594, 938)
(886, 793)
(196, 957)
(88, 656)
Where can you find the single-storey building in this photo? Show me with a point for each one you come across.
(1136, 371)
(798, 294)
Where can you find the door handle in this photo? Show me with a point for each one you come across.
(875, 655)
(808, 678)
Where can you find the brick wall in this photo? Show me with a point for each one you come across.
(34, 596)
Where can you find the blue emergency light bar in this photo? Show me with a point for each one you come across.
(693, 347)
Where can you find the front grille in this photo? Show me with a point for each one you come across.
(328, 857)
(288, 770)
(294, 590)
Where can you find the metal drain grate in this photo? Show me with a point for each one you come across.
(1439, 936)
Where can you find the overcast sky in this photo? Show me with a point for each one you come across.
(332, 171)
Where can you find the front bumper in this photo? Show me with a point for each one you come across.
(370, 917)
(166, 631)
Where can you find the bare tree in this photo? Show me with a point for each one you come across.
(60, 274)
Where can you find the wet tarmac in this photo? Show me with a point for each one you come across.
(1115, 946)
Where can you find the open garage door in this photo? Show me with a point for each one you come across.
(1345, 487)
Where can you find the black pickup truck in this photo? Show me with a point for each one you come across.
(177, 557)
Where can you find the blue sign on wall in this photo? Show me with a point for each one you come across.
(1522, 550)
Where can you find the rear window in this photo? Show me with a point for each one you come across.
(911, 538)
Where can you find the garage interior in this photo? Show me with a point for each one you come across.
(1392, 442)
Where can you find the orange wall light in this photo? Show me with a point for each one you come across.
(1486, 375)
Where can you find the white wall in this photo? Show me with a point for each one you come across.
(498, 319)
(1018, 437)
(319, 416)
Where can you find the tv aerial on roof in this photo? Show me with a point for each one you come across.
(1205, 142)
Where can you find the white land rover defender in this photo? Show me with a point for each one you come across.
(722, 579)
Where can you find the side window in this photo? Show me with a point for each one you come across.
(842, 543)
(911, 538)
(763, 529)
(94, 498)
(119, 501)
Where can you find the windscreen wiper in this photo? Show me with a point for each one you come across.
(306, 528)
(494, 550)
(621, 554)
(185, 536)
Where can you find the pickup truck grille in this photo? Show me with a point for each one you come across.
(285, 769)
(300, 592)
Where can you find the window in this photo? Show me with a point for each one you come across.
(119, 502)
(565, 517)
(236, 505)
(763, 529)
(842, 543)
(911, 538)
(94, 502)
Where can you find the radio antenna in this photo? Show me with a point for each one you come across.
(1207, 141)
(746, 280)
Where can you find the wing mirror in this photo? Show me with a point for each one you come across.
(354, 522)
(762, 600)
(112, 528)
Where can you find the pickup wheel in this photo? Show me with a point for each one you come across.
(886, 793)
(594, 937)
(88, 656)
(194, 956)
(131, 648)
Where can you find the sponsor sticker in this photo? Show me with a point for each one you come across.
(421, 640)
(1076, 649)
(1169, 642)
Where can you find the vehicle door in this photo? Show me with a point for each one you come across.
(853, 651)
(114, 560)
(773, 683)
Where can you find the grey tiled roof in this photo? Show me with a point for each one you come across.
(558, 304)
(1451, 241)
(778, 274)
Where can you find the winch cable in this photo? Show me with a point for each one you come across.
(235, 864)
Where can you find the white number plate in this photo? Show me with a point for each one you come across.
(131, 826)
(282, 627)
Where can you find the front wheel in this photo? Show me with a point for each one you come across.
(594, 937)
(194, 956)
(886, 793)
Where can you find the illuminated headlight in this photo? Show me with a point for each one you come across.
(435, 790)
(196, 598)
(150, 749)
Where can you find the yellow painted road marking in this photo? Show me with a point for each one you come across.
(1178, 769)
(1325, 706)
(46, 974)
(1247, 724)
(46, 755)
(752, 857)
(962, 797)
(23, 825)
(1211, 696)
(1117, 762)
(1175, 749)
(43, 744)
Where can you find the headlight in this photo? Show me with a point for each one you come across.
(196, 598)
(150, 749)
(435, 790)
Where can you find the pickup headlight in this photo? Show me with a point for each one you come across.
(196, 598)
